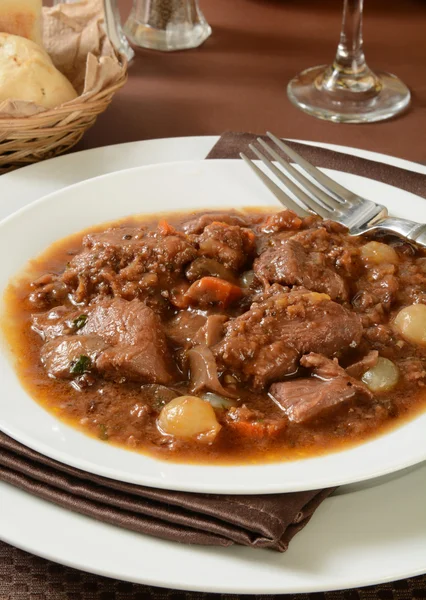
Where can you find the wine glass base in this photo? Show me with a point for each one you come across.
(306, 91)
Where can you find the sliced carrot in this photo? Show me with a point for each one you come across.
(165, 228)
(213, 290)
(257, 429)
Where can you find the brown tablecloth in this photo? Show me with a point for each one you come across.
(26, 577)
(237, 81)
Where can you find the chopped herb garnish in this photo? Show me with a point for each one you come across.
(80, 322)
(81, 365)
(103, 435)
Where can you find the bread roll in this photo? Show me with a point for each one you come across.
(27, 73)
(22, 17)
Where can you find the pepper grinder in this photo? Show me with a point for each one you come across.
(167, 25)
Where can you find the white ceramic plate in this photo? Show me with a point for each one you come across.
(374, 533)
(170, 187)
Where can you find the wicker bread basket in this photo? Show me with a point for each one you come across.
(30, 139)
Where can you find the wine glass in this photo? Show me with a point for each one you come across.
(348, 91)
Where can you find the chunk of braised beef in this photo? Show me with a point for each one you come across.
(412, 287)
(378, 290)
(138, 346)
(367, 362)
(274, 290)
(291, 264)
(378, 285)
(265, 343)
(62, 320)
(210, 267)
(316, 240)
(379, 336)
(198, 224)
(125, 239)
(330, 239)
(332, 226)
(322, 366)
(127, 262)
(413, 370)
(117, 339)
(48, 290)
(66, 357)
(231, 245)
(307, 398)
(287, 220)
(123, 362)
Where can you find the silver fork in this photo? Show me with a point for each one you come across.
(315, 192)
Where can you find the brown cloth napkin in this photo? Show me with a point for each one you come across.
(268, 521)
(264, 521)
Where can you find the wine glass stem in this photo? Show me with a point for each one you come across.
(350, 55)
(350, 72)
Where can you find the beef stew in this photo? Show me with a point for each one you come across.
(232, 337)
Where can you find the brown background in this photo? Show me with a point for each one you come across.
(237, 79)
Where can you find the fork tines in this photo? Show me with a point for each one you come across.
(307, 194)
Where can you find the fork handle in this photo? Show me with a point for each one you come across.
(414, 232)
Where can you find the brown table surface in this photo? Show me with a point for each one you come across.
(237, 81)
